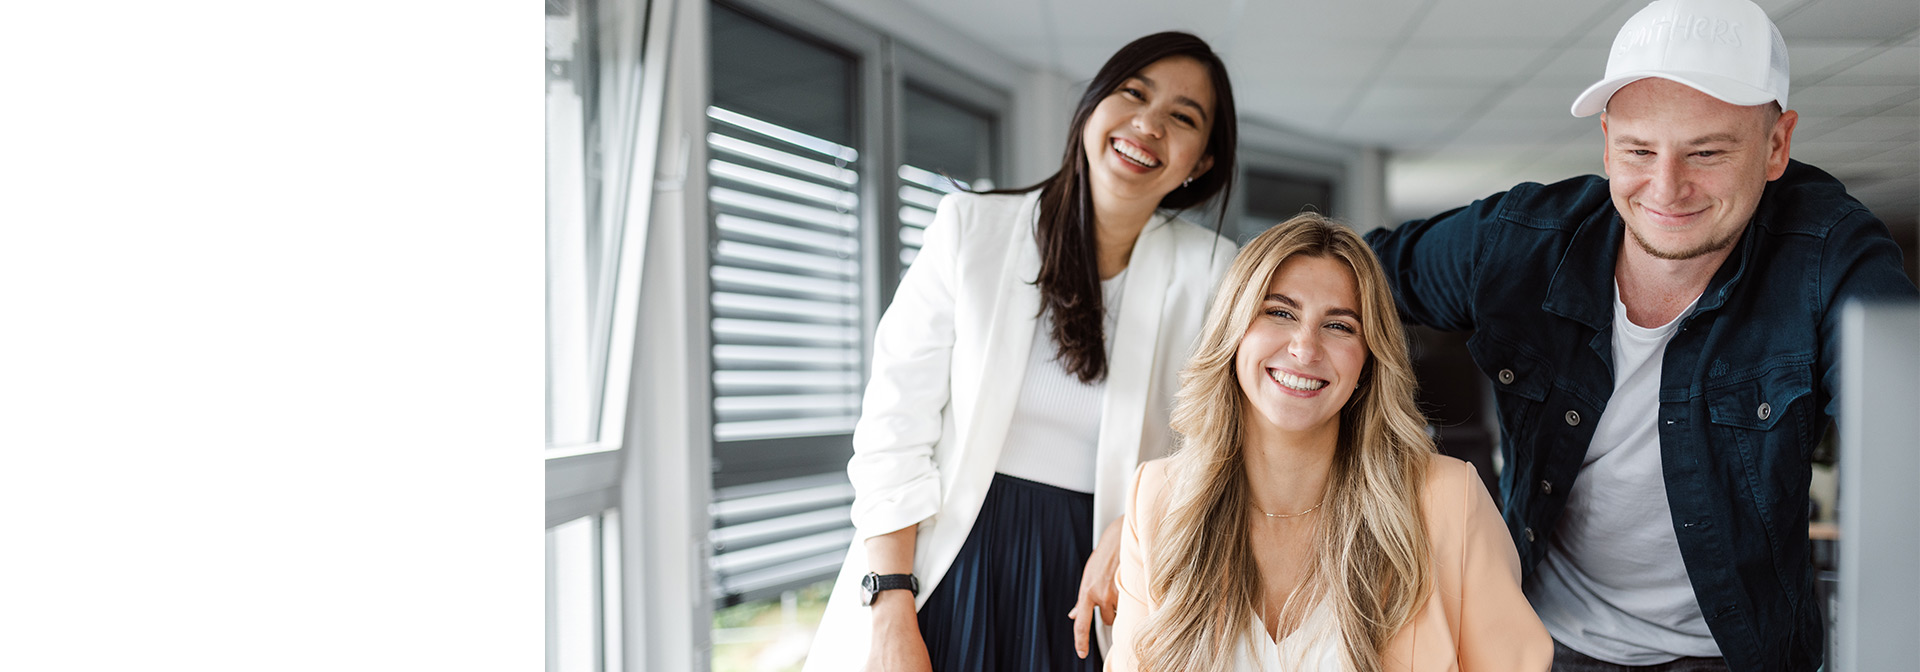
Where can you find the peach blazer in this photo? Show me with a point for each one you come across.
(1476, 619)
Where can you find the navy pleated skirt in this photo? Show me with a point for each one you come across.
(1003, 605)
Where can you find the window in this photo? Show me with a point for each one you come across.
(824, 164)
(949, 147)
(583, 588)
(1273, 196)
(595, 222)
(786, 191)
(580, 237)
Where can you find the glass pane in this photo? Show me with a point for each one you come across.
(768, 635)
(1274, 197)
(949, 148)
(610, 588)
(772, 75)
(572, 597)
(579, 239)
(948, 139)
(785, 193)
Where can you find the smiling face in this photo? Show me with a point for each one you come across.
(1686, 169)
(1303, 355)
(1150, 134)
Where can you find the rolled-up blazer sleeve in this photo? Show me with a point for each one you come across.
(895, 479)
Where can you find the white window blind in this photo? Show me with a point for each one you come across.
(948, 148)
(920, 192)
(786, 281)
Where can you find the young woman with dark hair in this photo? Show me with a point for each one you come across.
(1027, 364)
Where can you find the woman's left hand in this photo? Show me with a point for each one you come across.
(1096, 587)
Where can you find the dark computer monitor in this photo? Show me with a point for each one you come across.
(1877, 615)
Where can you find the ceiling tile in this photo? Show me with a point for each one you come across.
(1508, 23)
(1812, 127)
(1411, 100)
(1602, 35)
(1842, 99)
(1837, 153)
(1491, 131)
(1898, 65)
(1290, 107)
(1486, 65)
(1850, 19)
(1005, 24)
(1809, 59)
(1114, 24)
(1305, 61)
(1441, 95)
(1870, 129)
(1355, 23)
(1578, 67)
(1537, 102)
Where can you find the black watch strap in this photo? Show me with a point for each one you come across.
(873, 584)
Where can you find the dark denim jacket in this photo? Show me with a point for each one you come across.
(1746, 388)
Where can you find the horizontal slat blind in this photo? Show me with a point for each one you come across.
(786, 281)
(920, 192)
(777, 535)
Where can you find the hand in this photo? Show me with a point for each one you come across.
(897, 644)
(1096, 587)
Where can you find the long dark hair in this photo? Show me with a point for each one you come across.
(1069, 279)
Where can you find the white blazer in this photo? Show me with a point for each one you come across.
(949, 357)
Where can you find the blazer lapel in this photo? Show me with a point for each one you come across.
(1130, 369)
(1009, 343)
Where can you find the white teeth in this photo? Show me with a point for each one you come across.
(1136, 155)
(1294, 382)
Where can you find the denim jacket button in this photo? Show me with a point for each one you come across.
(1766, 409)
(1506, 376)
(1546, 487)
(1573, 418)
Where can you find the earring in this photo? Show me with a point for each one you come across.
(1187, 183)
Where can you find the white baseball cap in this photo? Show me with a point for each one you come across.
(1727, 49)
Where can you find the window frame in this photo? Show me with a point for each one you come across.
(916, 69)
(600, 479)
(649, 475)
(635, 146)
(883, 67)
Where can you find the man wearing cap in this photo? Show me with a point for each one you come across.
(1662, 345)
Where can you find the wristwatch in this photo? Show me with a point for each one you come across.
(872, 584)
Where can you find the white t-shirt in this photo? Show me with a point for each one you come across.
(1054, 436)
(1613, 585)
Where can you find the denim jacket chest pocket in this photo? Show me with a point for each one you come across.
(1776, 399)
(1767, 419)
(1521, 380)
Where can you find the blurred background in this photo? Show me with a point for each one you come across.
(734, 188)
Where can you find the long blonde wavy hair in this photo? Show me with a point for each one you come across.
(1370, 550)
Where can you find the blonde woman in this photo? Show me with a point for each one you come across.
(1305, 522)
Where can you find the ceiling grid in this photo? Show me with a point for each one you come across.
(1469, 97)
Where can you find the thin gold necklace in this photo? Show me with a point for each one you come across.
(1289, 515)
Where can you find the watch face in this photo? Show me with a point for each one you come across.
(867, 585)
